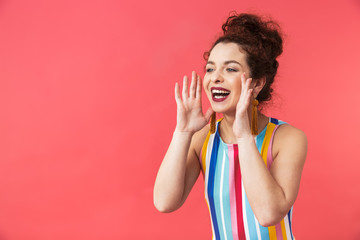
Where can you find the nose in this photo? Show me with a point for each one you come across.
(217, 77)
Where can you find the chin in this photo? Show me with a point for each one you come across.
(223, 110)
(225, 107)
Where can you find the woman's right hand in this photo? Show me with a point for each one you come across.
(190, 117)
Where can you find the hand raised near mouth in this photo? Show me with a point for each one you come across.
(190, 117)
(241, 127)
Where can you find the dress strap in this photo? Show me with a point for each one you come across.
(270, 155)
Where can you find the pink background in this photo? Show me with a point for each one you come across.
(87, 113)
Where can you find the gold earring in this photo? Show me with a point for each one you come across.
(254, 125)
(213, 123)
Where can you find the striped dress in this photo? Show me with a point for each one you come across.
(230, 211)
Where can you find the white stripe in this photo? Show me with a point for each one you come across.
(208, 157)
(244, 212)
(221, 195)
(287, 227)
(257, 228)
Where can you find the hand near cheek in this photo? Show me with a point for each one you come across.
(190, 117)
(241, 127)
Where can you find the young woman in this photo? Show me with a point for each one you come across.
(251, 163)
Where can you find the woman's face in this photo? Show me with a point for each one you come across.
(222, 81)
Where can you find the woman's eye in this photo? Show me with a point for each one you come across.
(209, 70)
(231, 70)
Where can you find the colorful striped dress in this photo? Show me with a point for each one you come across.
(230, 211)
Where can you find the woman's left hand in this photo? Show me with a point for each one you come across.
(241, 126)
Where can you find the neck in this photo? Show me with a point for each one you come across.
(226, 126)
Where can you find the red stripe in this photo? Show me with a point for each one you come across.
(239, 213)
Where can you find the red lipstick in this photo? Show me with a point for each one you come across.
(219, 94)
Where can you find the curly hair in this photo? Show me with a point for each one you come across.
(262, 42)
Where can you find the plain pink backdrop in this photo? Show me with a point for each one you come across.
(87, 113)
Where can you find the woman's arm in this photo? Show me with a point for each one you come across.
(180, 167)
(272, 193)
(178, 171)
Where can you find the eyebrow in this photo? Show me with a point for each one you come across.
(225, 63)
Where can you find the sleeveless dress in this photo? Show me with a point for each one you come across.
(230, 212)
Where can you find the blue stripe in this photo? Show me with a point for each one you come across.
(250, 220)
(281, 122)
(264, 232)
(260, 139)
(289, 217)
(217, 194)
(277, 121)
(210, 189)
(274, 120)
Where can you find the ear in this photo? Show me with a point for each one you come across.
(258, 85)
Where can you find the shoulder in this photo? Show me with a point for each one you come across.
(289, 138)
(198, 139)
(289, 131)
(290, 145)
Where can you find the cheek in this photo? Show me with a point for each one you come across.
(236, 92)
(207, 92)
(205, 84)
(205, 79)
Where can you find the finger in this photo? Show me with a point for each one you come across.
(177, 93)
(193, 85)
(198, 88)
(248, 97)
(243, 89)
(208, 114)
(245, 84)
(242, 83)
(185, 88)
(248, 82)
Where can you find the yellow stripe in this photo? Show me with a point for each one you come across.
(272, 233)
(264, 149)
(203, 159)
(283, 229)
(204, 148)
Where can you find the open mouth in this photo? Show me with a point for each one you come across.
(219, 94)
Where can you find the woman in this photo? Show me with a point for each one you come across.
(251, 163)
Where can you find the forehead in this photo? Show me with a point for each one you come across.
(227, 51)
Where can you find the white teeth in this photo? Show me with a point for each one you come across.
(220, 96)
(219, 91)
